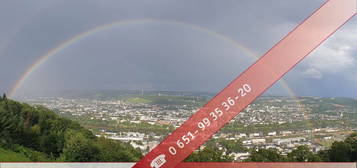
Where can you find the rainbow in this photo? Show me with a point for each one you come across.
(100, 28)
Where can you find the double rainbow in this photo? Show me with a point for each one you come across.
(76, 38)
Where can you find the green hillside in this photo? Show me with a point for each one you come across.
(37, 134)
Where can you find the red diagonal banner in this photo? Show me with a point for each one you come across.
(250, 84)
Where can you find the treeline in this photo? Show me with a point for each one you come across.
(220, 151)
(345, 151)
(167, 100)
(41, 135)
(294, 126)
(217, 150)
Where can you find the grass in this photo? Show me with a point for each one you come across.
(10, 156)
(138, 100)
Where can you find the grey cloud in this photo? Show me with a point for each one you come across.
(157, 56)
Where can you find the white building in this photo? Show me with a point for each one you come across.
(258, 141)
(272, 133)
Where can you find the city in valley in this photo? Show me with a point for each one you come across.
(144, 119)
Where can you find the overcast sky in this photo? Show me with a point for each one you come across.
(164, 55)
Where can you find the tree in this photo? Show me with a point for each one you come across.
(114, 151)
(352, 140)
(345, 151)
(324, 155)
(209, 154)
(79, 148)
(232, 146)
(340, 152)
(52, 143)
(8, 123)
(41, 130)
(4, 97)
(266, 155)
(302, 154)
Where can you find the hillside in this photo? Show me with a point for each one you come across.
(30, 133)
